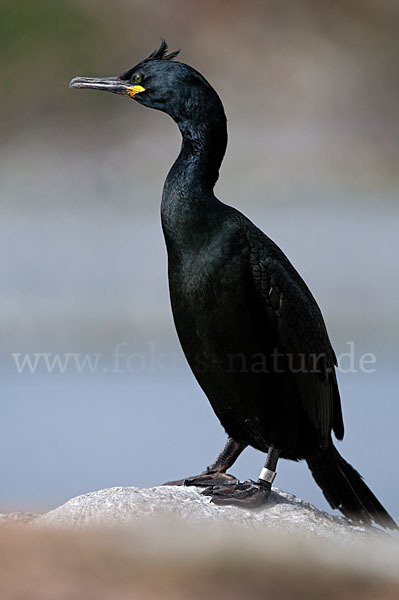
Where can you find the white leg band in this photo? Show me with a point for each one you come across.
(267, 475)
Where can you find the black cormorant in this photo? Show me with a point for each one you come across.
(249, 326)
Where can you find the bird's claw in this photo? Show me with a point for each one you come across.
(247, 494)
(206, 480)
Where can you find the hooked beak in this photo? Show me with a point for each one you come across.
(107, 84)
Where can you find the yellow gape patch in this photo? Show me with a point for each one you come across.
(134, 89)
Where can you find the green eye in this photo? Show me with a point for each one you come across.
(138, 78)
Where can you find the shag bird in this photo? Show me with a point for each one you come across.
(249, 326)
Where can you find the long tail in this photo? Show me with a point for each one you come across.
(345, 489)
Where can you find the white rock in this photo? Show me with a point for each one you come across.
(121, 505)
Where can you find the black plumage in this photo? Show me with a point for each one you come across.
(249, 326)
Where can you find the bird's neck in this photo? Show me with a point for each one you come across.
(196, 169)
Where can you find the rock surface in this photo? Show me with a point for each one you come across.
(121, 505)
(171, 543)
(18, 517)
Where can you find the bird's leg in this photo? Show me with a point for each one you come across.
(216, 473)
(248, 494)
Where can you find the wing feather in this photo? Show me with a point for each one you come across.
(302, 336)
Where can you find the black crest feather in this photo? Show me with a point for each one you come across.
(161, 53)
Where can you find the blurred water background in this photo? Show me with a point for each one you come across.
(310, 89)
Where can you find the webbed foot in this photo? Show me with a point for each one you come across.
(248, 494)
(207, 479)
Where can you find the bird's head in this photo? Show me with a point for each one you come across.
(161, 83)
